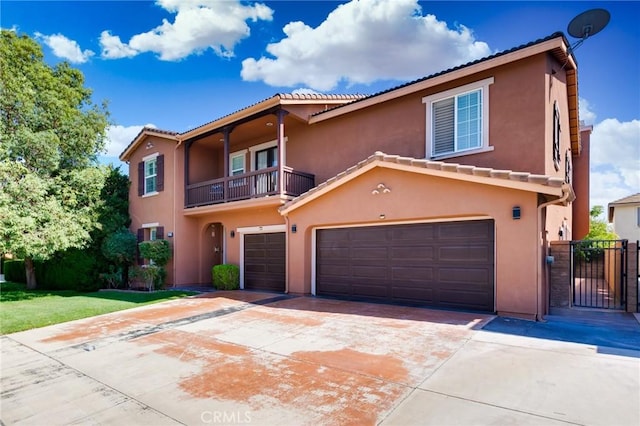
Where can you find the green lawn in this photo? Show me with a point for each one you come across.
(22, 309)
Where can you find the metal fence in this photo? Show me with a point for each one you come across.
(599, 273)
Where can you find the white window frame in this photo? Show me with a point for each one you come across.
(148, 159)
(242, 154)
(256, 148)
(483, 87)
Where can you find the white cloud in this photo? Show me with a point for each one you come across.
(615, 160)
(304, 91)
(363, 41)
(585, 112)
(65, 48)
(198, 25)
(119, 137)
(113, 48)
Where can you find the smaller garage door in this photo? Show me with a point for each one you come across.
(264, 262)
(447, 265)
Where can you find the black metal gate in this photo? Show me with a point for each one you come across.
(599, 273)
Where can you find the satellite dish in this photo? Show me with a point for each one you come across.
(588, 23)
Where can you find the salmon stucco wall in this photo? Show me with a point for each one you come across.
(196, 235)
(154, 208)
(420, 198)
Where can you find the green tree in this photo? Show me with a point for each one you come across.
(120, 248)
(50, 136)
(599, 228)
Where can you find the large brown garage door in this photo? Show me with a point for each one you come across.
(264, 261)
(447, 265)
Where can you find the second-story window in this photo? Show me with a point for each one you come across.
(567, 166)
(457, 119)
(151, 175)
(556, 136)
(237, 163)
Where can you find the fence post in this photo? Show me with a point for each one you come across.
(560, 291)
(632, 277)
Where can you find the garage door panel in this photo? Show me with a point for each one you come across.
(264, 261)
(421, 253)
(437, 264)
(413, 234)
(370, 290)
(468, 230)
(414, 273)
(465, 254)
(466, 299)
(369, 253)
(373, 271)
(465, 275)
(413, 294)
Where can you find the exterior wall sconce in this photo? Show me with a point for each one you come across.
(515, 213)
(169, 234)
(294, 228)
(382, 216)
(232, 233)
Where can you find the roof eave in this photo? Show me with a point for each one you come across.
(126, 154)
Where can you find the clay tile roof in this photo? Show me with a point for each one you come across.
(147, 130)
(456, 170)
(287, 96)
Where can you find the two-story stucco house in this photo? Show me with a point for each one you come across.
(442, 192)
(625, 216)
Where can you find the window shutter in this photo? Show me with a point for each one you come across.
(140, 239)
(443, 126)
(160, 233)
(141, 178)
(160, 173)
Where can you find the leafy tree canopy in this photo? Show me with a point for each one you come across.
(50, 136)
(598, 228)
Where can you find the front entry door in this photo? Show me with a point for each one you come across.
(265, 159)
(216, 243)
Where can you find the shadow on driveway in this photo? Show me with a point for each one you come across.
(606, 330)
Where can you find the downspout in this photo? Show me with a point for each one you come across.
(175, 245)
(561, 200)
(286, 257)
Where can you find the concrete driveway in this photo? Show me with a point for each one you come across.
(264, 359)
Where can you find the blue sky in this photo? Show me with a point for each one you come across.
(176, 64)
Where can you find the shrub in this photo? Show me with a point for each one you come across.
(151, 276)
(14, 271)
(157, 251)
(226, 277)
(71, 270)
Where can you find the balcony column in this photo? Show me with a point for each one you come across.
(281, 149)
(225, 184)
(187, 148)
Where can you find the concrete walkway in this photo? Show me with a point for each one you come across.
(253, 358)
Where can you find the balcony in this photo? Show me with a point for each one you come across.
(261, 183)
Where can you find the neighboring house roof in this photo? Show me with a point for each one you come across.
(626, 201)
(543, 184)
(146, 131)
